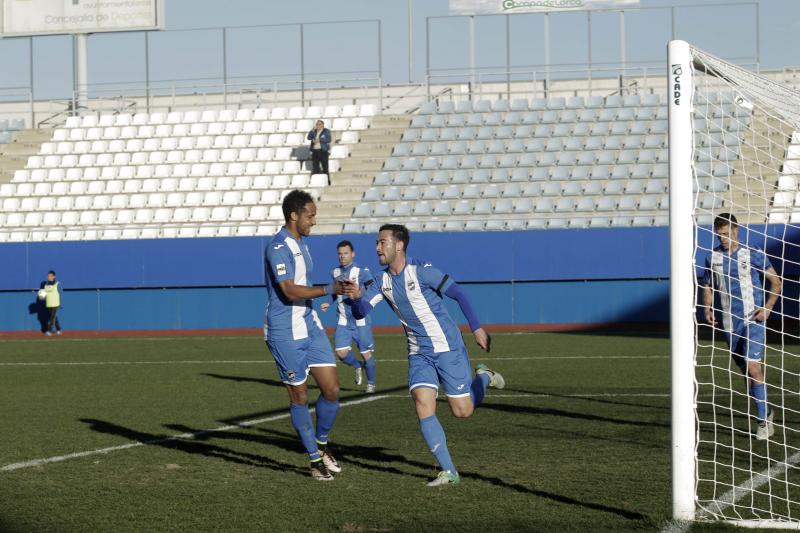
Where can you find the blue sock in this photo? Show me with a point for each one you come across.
(326, 416)
(301, 420)
(433, 433)
(369, 365)
(478, 389)
(351, 360)
(758, 392)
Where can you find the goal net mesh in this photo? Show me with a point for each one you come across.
(746, 162)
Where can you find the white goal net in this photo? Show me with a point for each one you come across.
(734, 159)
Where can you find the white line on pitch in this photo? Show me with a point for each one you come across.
(718, 506)
(264, 361)
(101, 451)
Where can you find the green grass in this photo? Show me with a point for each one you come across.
(534, 457)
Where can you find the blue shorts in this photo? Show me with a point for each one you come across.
(295, 358)
(747, 342)
(345, 336)
(451, 369)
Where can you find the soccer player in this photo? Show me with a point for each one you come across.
(736, 273)
(350, 330)
(52, 302)
(294, 334)
(436, 351)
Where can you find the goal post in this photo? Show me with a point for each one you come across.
(682, 302)
(734, 147)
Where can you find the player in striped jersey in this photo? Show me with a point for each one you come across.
(294, 334)
(735, 273)
(436, 351)
(350, 330)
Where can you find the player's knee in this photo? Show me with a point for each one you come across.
(341, 354)
(463, 411)
(366, 355)
(331, 392)
(298, 397)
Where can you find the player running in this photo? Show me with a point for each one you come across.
(294, 334)
(350, 330)
(736, 272)
(436, 351)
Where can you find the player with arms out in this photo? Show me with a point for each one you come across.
(436, 351)
(736, 272)
(294, 334)
(350, 330)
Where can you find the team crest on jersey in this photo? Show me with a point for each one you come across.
(411, 285)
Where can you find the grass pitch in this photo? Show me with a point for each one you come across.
(578, 440)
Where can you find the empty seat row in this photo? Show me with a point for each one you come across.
(524, 174)
(484, 206)
(133, 185)
(146, 215)
(138, 232)
(501, 146)
(145, 199)
(579, 129)
(180, 170)
(514, 118)
(297, 129)
(514, 190)
(528, 159)
(280, 156)
(226, 115)
(523, 104)
(186, 143)
(453, 224)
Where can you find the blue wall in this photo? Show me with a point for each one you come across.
(548, 277)
(556, 302)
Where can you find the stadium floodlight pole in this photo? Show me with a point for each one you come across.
(682, 278)
(82, 74)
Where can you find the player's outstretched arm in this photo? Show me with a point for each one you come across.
(301, 292)
(481, 337)
(364, 298)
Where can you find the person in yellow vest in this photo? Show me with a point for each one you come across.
(52, 302)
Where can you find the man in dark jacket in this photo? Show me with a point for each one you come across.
(320, 138)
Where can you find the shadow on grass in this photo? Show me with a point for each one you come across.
(245, 379)
(594, 399)
(193, 446)
(519, 409)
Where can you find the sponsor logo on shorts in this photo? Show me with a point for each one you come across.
(291, 374)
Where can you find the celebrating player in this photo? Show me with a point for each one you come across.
(348, 328)
(735, 272)
(436, 351)
(294, 334)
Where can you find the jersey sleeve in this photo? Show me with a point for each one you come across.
(365, 276)
(281, 262)
(706, 282)
(760, 260)
(432, 277)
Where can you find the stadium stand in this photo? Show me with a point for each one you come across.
(8, 127)
(198, 173)
(454, 166)
(578, 162)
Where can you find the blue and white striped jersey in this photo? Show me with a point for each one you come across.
(738, 278)
(287, 258)
(344, 309)
(415, 295)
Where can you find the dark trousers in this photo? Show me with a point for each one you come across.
(319, 162)
(52, 324)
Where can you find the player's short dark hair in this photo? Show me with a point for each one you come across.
(53, 272)
(725, 219)
(399, 232)
(295, 202)
(345, 243)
